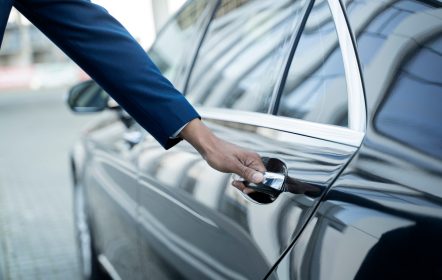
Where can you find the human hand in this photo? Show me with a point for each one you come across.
(229, 158)
(224, 156)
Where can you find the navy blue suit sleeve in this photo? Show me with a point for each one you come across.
(5, 8)
(104, 49)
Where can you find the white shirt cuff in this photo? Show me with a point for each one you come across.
(175, 135)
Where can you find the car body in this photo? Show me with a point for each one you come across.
(341, 97)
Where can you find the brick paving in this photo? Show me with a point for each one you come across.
(36, 220)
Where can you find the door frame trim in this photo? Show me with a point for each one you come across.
(357, 115)
(327, 132)
(108, 267)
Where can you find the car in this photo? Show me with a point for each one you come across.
(342, 99)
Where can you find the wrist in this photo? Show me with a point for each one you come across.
(199, 136)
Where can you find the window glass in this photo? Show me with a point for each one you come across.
(375, 23)
(92, 95)
(315, 89)
(243, 53)
(400, 48)
(412, 112)
(176, 44)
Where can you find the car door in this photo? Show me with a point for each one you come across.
(173, 52)
(193, 224)
(382, 217)
(110, 188)
(112, 178)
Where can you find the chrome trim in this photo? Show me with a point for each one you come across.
(317, 130)
(356, 97)
(83, 234)
(106, 264)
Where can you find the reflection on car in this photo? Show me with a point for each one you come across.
(342, 101)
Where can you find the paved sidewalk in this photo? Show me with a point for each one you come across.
(36, 224)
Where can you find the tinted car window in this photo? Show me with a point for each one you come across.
(412, 112)
(176, 44)
(242, 55)
(400, 48)
(382, 18)
(316, 89)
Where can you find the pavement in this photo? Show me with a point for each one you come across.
(36, 220)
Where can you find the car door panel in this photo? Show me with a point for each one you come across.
(200, 226)
(192, 221)
(111, 189)
(382, 217)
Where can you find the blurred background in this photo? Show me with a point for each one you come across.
(36, 133)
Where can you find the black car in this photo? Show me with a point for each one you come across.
(342, 99)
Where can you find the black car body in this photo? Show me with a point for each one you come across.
(345, 95)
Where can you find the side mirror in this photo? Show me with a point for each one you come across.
(87, 97)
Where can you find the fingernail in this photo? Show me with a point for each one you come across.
(257, 177)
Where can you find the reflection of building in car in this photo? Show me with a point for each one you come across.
(346, 97)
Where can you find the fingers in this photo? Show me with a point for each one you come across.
(227, 157)
(251, 175)
(248, 190)
(255, 162)
(240, 186)
(251, 167)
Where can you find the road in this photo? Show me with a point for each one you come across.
(36, 221)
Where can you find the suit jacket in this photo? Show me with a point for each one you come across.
(105, 50)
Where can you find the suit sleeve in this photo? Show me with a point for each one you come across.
(5, 8)
(105, 50)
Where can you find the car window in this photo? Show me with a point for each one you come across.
(380, 23)
(400, 49)
(412, 112)
(316, 89)
(243, 53)
(92, 94)
(176, 44)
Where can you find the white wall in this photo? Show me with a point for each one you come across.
(138, 16)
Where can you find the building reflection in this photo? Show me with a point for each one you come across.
(377, 211)
(243, 54)
(191, 180)
(239, 73)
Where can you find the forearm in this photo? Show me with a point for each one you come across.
(112, 57)
(199, 136)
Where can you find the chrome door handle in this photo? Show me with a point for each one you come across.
(276, 181)
(272, 184)
(273, 180)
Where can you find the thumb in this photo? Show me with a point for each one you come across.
(252, 175)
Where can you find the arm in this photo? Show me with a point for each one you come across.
(104, 49)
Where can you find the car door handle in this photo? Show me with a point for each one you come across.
(272, 184)
(275, 182)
